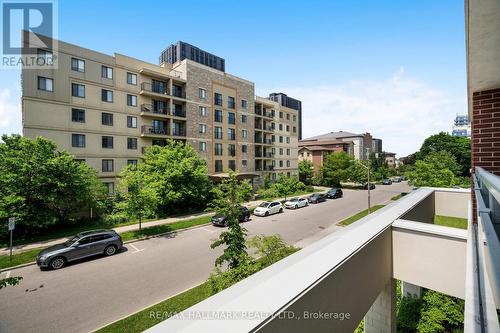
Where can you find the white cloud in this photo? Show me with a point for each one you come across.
(10, 112)
(399, 110)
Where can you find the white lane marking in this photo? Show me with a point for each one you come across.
(136, 249)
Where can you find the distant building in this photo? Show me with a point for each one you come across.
(181, 50)
(362, 144)
(317, 153)
(390, 159)
(377, 146)
(290, 103)
(461, 126)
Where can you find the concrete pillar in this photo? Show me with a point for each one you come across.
(408, 289)
(381, 318)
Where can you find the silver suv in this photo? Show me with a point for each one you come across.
(84, 244)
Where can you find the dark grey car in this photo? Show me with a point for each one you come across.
(84, 244)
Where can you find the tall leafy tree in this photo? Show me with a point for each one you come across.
(434, 171)
(286, 185)
(178, 175)
(336, 168)
(41, 185)
(306, 171)
(459, 147)
(227, 199)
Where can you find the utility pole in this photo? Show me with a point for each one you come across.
(369, 184)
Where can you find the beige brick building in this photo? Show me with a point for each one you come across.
(106, 110)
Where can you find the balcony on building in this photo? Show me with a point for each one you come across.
(178, 110)
(155, 88)
(155, 131)
(178, 90)
(155, 110)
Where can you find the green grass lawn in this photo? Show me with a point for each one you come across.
(448, 221)
(360, 215)
(396, 197)
(18, 258)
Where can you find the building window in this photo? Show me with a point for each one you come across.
(244, 163)
(202, 93)
(273, 138)
(107, 142)
(218, 149)
(288, 151)
(281, 114)
(281, 164)
(288, 164)
(131, 143)
(231, 118)
(78, 140)
(287, 139)
(78, 115)
(203, 128)
(244, 103)
(107, 72)
(281, 151)
(230, 102)
(218, 166)
(131, 122)
(132, 162)
(131, 100)
(287, 116)
(203, 146)
(294, 118)
(217, 99)
(107, 165)
(203, 111)
(294, 129)
(218, 133)
(107, 119)
(244, 149)
(107, 96)
(110, 186)
(244, 134)
(231, 134)
(231, 165)
(273, 126)
(45, 84)
(281, 127)
(288, 128)
(243, 118)
(78, 65)
(218, 116)
(132, 79)
(281, 139)
(77, 90)
(47, 56)
(231, 150)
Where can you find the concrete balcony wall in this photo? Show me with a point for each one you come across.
(452, 203)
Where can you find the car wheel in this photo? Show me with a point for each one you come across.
(57, 263)
(266, 214)
(296, 206)
(307, 204)
(281, 210)
(110, 250)
(246, 218)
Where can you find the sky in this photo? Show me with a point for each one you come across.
(395, 69)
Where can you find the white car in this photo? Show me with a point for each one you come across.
(295, 203)
(268, 208)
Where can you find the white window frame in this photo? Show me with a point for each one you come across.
(202, 93)
(202, 110)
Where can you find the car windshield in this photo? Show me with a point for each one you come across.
(333, 190)
(71, 241)
(314, 195)
(294, 199)
(264, 204)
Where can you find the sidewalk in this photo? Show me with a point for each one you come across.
(132, 227)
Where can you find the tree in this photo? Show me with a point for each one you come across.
(336, 168)
(306, 171)
(358, 171)
(285, 185)
(457, 146)
(140, 198)
(42, 186)
(227, 199)
(178, 175)
(440, 313)
(434, 171)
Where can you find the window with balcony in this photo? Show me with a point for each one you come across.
(231, 134)
(218, 166)
(159, 107)
(45, 84)
(231, 118)
(231, 150)
(107, 119)
(177, 91)
(107, 142)
(107, 72)
(132, 79)
(131, 100)
(218, 149)
(78, 65)
(131, 122)
(230, 102)
(131, 143)
(218, 133)
(202, 93)
(217, 99)
(77, 90)
(78, 115)
(231, 164)
(78, 140)
(218, 116)
(179, 110)
(107, 96)
(107, 165)
(159, 87)
(202, 146)
(202, 111)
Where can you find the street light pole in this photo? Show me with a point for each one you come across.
(369, 184)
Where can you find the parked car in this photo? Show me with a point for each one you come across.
(387, 182)
(220, 220)
(295, 203)
(365, 186)
(334, 193)
(84, 244)
(316, 198)
(397, 179)
(268, 208)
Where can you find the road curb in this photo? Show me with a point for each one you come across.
(18, 266)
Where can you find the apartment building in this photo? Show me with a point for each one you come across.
(106, 110)
(362, 144)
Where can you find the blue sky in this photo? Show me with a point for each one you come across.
(393, 68)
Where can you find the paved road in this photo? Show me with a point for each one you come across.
(87, 295)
